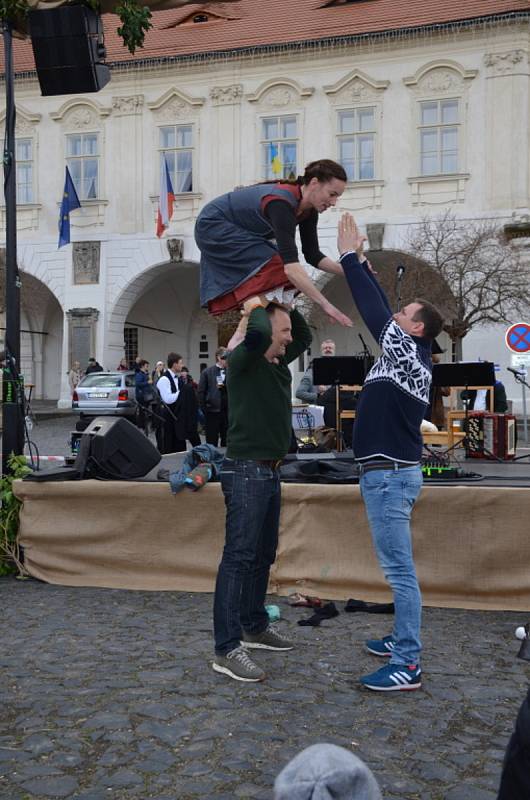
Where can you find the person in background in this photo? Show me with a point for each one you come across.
(307, 392)
(93, 366)
(157, 372)
(479, 399)
(74, 375)
(213, 399)
(123, 365)
(141, 384)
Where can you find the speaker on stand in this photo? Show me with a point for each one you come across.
(68, 48)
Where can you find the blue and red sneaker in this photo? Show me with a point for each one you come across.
(381, 647)
(394, 678)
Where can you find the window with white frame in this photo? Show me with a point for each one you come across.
(279, 147)
(356, 142)
(82, 160)
(24, 156)
(439, 124)
(176, 146)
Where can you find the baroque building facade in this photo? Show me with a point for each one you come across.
(422, 123)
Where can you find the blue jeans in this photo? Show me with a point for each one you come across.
(252, 499)
(389, 496)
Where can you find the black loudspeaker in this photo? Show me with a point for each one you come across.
(68, 49)
(114, 448)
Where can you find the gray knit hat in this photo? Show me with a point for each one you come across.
(326, 772)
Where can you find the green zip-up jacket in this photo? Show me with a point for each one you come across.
(259, 392)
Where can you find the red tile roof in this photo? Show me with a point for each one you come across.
(254, 23)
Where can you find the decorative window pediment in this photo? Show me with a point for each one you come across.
(174, 104)
(26, 121)
(80, 114)
(277, 93)
(356, 87)
(440, 77)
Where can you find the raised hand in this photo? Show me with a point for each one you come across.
(349, 237)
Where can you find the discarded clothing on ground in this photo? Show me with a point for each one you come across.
(369, 608)
(192, 472)
(327, 611)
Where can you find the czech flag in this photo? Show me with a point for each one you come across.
(274, 157)
(166, 199)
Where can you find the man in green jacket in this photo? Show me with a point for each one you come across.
(259, 433)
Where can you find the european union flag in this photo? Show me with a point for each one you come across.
(69, 203)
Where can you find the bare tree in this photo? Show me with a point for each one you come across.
(488, 276)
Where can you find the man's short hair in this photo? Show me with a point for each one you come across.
(220, 353)
(142, 362)
(272, 307)
(172, 358)
(431, 318)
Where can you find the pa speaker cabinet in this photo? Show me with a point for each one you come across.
(68, 48)
(118, 450)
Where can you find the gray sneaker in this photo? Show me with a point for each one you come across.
(239, 666)
(269, 639)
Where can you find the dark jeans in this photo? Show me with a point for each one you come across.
(216, 426)
(252, 498)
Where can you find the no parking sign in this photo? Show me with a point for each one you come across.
(518, 338)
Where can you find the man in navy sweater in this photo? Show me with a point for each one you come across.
(388, 445)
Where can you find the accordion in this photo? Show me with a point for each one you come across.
(491, 435)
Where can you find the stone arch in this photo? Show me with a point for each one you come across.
(78, 104)
(162, 302)
(269, 90)
(440, 76)
(41, 338)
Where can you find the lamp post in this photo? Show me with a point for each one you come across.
(13, 414)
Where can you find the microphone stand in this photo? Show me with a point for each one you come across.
(521, 378)
(400, 273)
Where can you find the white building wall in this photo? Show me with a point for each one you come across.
(225, 103)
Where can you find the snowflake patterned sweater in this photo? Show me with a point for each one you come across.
(396, 390)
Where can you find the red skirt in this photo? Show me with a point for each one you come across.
(270, 276)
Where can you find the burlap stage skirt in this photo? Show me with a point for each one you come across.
(471, 543)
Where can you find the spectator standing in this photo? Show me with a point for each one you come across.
(157, 372)
(213, 399)
(142, 389)
(179, 411)
(74, 376)
(123, 366)
(93, 366)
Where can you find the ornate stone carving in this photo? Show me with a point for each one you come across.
(85, 258)
(226, 95)
(175, 109)
(278, 98)
(24, 127)
(356, 92)
(175, 248)
(375, 232)
(125, 106)
(82, 118)
(440, 80)
(503, 63)
(82, 334)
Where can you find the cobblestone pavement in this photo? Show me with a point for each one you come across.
(111, 694)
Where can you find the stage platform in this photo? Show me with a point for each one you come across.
(471, 539)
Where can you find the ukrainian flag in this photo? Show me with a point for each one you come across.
(274, 157)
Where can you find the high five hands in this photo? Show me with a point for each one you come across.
(349, 237)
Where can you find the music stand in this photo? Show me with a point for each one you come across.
(466, 374)
(337, 370)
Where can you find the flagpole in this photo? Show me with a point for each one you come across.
(13, 413)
